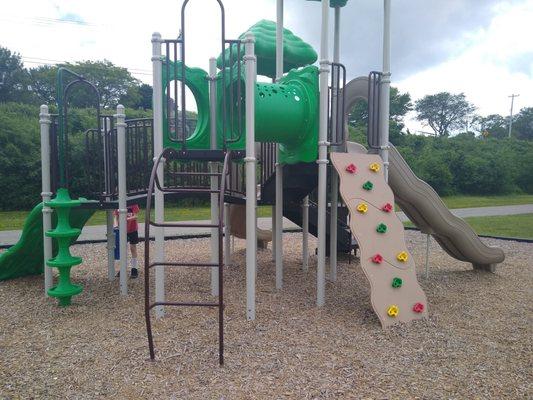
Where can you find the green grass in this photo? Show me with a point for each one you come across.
(12, 220)
(487, 201)
(177, 214)
(517, 226)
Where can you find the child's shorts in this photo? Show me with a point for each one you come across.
(133, 237)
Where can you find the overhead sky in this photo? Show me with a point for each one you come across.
(483, 48)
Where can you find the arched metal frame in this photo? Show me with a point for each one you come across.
(182, 40)
(62, 106)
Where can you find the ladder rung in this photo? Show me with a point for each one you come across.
(182, 264)
(183, 225)
(174, 303)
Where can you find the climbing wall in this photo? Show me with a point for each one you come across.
(396, 295)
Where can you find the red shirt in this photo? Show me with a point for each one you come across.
(131, 218)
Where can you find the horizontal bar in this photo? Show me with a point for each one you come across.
(194, 173)
(182, 264)
(173, 303)
(183, 225)
(189, 190)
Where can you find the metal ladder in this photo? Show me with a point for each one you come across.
(169, 154)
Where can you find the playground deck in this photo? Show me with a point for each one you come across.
(475, 345)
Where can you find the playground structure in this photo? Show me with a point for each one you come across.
(298, 124)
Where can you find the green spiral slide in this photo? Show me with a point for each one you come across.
(26, 257)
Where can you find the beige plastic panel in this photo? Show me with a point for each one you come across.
(388, 245)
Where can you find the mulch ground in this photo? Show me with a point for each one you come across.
(476, 343)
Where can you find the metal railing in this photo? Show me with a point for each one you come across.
(336, 118)
(374, 98)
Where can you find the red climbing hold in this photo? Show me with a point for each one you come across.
(377, 259)
(418, 308)
(351, 168)
(387, 207)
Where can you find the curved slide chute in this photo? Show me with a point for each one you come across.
(26, 256)
(422, 204)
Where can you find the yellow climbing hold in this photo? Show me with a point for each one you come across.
(362, 208)
(403, 256)
(393, 311)
(375, 167)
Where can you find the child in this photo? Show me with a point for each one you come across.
(132, 234)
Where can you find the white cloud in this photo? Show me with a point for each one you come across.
(484, 70)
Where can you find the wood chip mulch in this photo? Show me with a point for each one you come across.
(476, 343)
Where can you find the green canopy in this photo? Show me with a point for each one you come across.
(296, 52)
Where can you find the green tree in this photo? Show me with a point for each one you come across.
(400, 105)
(113, 83)
(493, 125)
(13, 78)
(523, 124)
(444, 112)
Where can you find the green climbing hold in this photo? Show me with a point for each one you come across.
(381, 228)
(397, 282)
(368, 185)
(64, 234)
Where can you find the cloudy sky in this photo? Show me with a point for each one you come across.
(483, 48)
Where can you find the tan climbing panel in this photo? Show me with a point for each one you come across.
(396, 295)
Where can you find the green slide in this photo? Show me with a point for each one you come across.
(26, 257)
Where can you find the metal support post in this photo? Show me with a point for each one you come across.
(159, 232)
(46, 194)
(322, 158)
(122, 206)
(279, 168)
(385, 90)
(250, 160)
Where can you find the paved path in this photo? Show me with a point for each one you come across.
(97, 233)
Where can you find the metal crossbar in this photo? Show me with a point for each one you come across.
(167, 154)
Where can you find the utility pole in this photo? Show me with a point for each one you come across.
(511, 116)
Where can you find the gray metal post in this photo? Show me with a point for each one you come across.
(159, 203)
(213, 169)
(46, 194)
(122, 206)
(385, 90)
(322, 157)
(334, 176)
(279, 168)
(250, 160)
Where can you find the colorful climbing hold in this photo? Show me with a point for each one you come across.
(393, 311)
(418, 308)
(402, 256)
(397, 282)
(387, 207)
(375, 167)
(377, 259)
(352, 169)
(368, 185)
(362, 208)
(381, 228)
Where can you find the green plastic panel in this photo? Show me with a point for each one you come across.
(296, 52)
(26, 256)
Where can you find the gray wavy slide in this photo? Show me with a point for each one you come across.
(422, 204)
